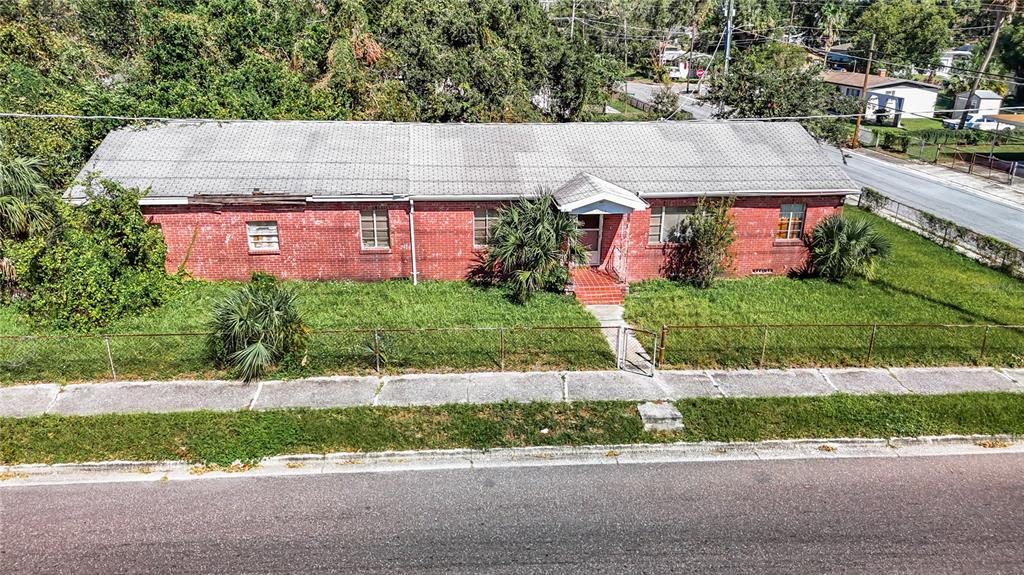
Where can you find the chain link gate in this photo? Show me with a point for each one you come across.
(632, 354)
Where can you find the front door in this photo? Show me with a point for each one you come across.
(591, 228)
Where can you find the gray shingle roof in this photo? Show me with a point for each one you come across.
(182, 159)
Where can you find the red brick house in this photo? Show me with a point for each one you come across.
(379, 200)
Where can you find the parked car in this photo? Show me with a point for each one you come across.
(974, 122)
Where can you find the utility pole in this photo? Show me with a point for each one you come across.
(625, 42)
(572, 22)
(855, 141)
(728, 35)
(1002, 18)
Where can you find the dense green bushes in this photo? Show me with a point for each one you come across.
(895, 142)
(426, 60)
(101, 262)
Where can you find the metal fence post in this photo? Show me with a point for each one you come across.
(110, 357)
(984, 343)
(620, 337)
(661, 349)
(871, 344)
(764, 346)
(501, 339)
(376, 348)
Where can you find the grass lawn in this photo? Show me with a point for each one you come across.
(339, 306)
(922, 283)
(221, 438)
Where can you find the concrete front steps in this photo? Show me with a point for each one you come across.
(595, 287)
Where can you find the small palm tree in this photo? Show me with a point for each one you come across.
(532, 244)
(841, 246)
(257, 326)
(22, 196)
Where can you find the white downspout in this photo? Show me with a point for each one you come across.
(412, 240)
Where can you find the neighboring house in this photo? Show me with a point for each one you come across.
(984, 103)
(380, 200)
(957, 57)
(888, 99)
(839, 56)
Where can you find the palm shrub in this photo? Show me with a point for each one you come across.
(256, 327)
(531, 246)
(23, 211)
(840, 246)
(700, 245)
(23, 198)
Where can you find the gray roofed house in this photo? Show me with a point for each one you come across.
(379, 200)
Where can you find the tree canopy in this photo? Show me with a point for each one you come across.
(423, 60)
(776, 80)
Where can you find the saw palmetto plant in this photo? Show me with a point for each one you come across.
(257, 326)
(841, 246)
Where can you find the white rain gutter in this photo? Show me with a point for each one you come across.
(751, 193)
(412, 240)
(163, 201)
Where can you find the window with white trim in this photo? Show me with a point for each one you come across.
(483, 221)
(262, 236)
(373, 227)
(791, 222)
(665, 222)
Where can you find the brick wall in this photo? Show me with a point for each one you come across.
(756, 248)
(322, 240)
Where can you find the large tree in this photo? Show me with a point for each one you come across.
(908, 33)
(1011, 54)
(774, 81)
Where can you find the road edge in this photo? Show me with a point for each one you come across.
(448, 459)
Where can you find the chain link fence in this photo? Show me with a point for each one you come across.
(851, 345)
(963, 156)
(986, 249)
(67, 358)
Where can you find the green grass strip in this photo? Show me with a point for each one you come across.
(221, 438)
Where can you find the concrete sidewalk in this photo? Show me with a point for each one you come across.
(438, 389)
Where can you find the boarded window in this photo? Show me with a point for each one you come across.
(373, 226)
(791, 222)
(262, 236)
(483, 221)
(665, 222)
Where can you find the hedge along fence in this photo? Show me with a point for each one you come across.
(133, 356)
(991, 251)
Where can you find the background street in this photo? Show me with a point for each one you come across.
(968, 209)
(931, 515)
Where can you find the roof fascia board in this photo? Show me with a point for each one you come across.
(741, 193)
(164, 201)
(638, 204)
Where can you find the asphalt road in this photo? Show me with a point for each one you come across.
(948, 201)
(645, 93)
(950, 514)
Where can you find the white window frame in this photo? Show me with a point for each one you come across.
(265, 242)
(660, 212)
(377, 215)
(489, 216)
(793, 231)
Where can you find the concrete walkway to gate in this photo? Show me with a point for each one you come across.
(479, 388)
(631, 353)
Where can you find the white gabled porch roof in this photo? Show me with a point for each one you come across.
(587, 194)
